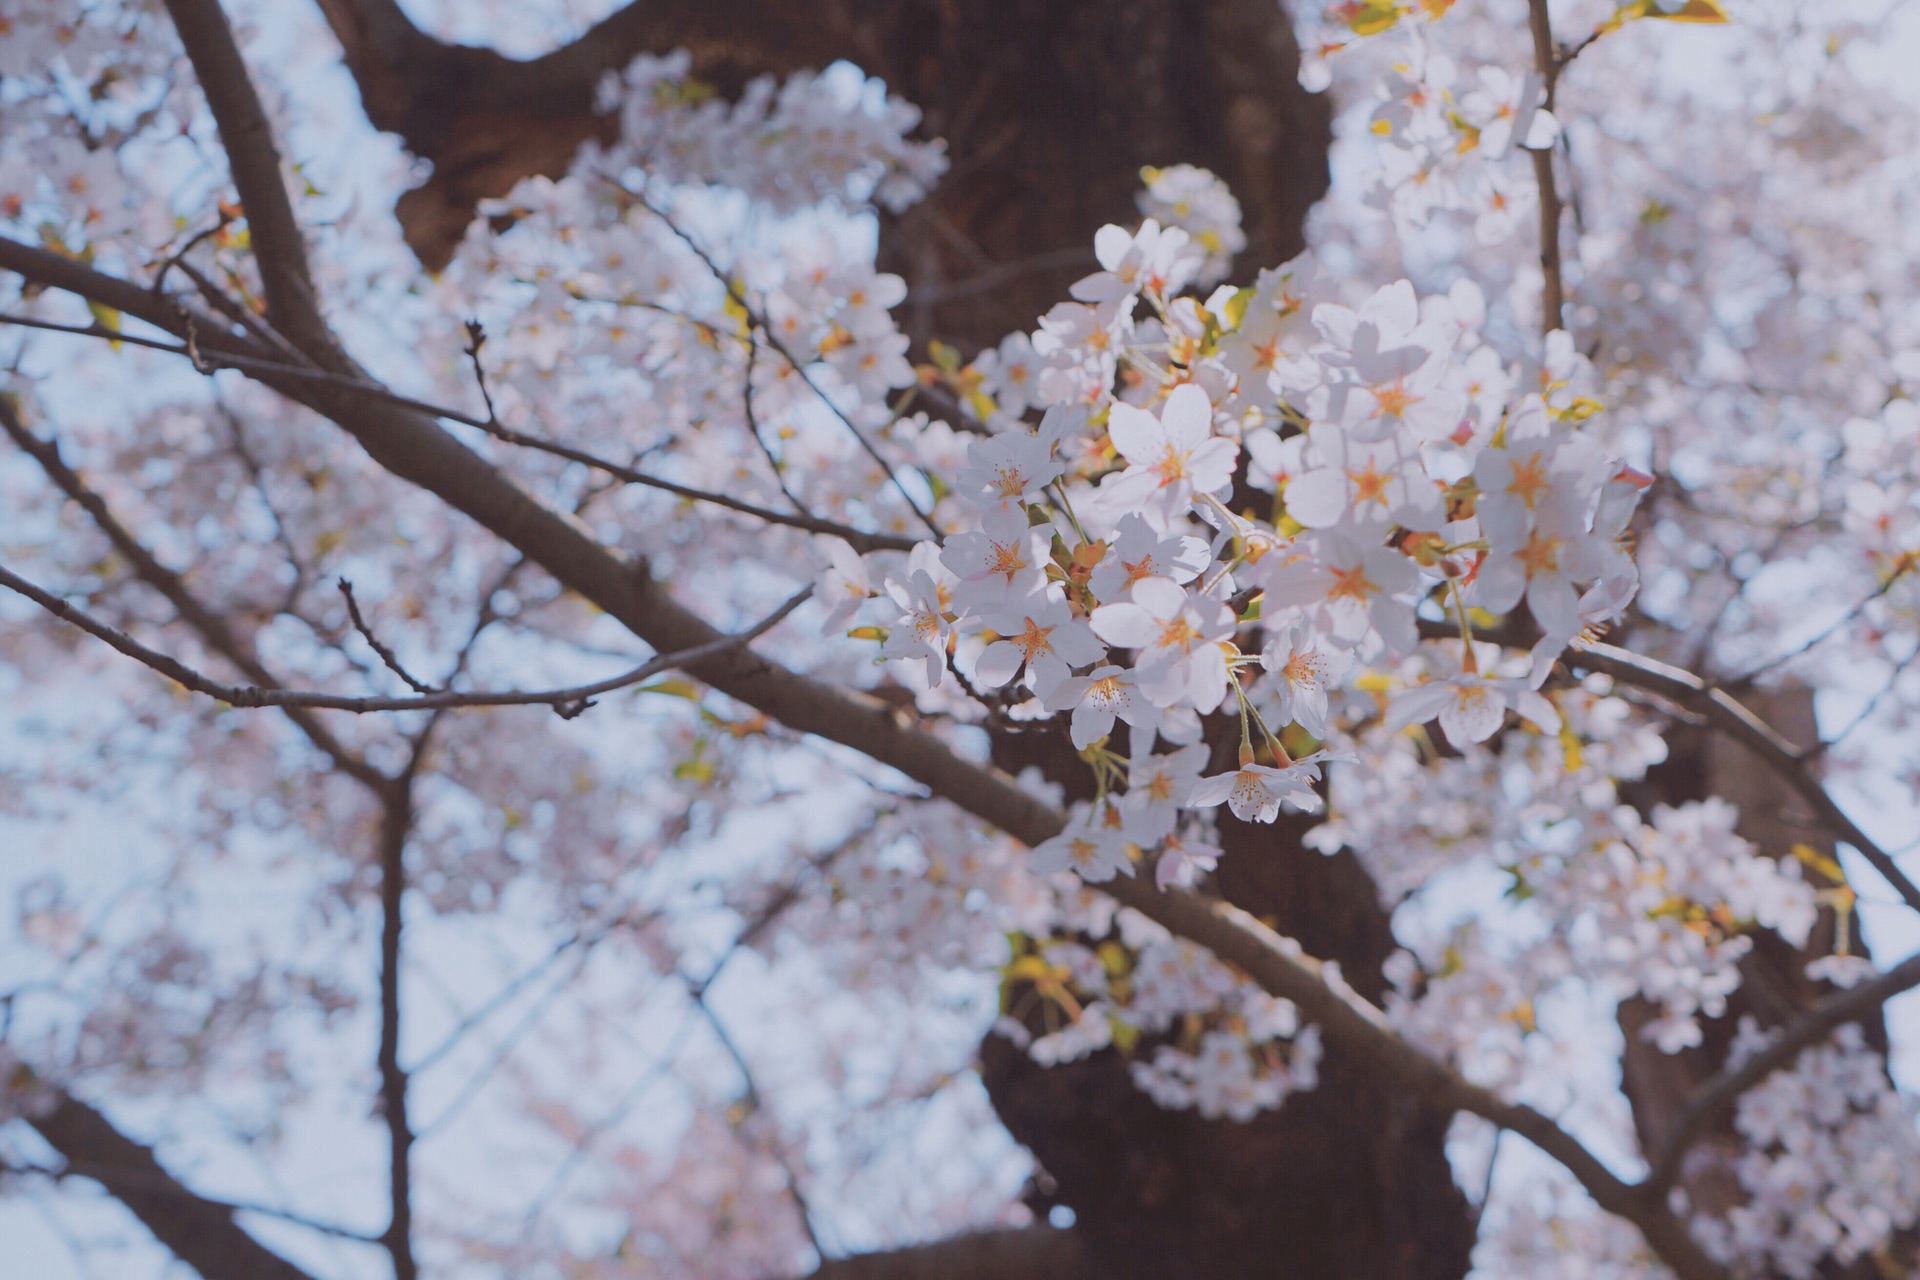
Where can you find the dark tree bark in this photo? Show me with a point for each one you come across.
(1349, 1181)
(200, 1232)
(1049, 107)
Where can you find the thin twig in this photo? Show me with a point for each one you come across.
(386, 655)
(211, 629)
(567, 702)
(754, 317)
(1873, 704)
(207, 361)
(753, 428)
(172, 260)
(859, 539)
(756, 1105)
(477, 338)
(1547, 65)
(1839, 624)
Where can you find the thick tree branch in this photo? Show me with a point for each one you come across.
(200, 1232)
(1029, 1253)
(247, 136)
(486, 121)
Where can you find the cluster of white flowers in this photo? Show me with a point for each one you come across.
(1102, 573)
(1197, 202)
(831, 136)
(1217, 1044)
(1671, 898)
(1444, 134)
(1833, 1162)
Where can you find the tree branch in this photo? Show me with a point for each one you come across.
(486, 121)
(416, 448)
(278, 246)
(395, 824)
(211, 361)
(568, 702)
(1724, 712)
(200, 1232)
(1547, 66)
(388, 657)
(1714, 1096)
(1027, 1253)
(211, 629)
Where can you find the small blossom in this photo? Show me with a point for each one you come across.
(1255, 792)
(1471, 707)
(1170, 458)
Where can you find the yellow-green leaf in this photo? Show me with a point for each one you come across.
(1701, 11)
(673, 689)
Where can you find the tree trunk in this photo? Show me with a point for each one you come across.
(1049, 107)
(1348, 1181)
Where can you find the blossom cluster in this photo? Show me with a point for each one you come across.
(1832, 1166)
(790, 144)
(1197, 1035)
(1102, 574)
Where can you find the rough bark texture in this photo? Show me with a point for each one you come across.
(1049, 109)
(1032, 1253)
(1347, 1182)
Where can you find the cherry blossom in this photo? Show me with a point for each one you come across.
(1178, 638)
(1471, 707)
(1255, 792)
(1170, 458)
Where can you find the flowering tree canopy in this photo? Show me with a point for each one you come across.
(840, 638)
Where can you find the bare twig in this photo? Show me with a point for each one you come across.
(859, 539)
(753, 428)
(386, 655)
(1827, 633)
(207, 361)
(568, 702)
(477, 338)
(773, 340)
(1885, 691)
(395, 826)
(211, 629)
(756, 1105)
